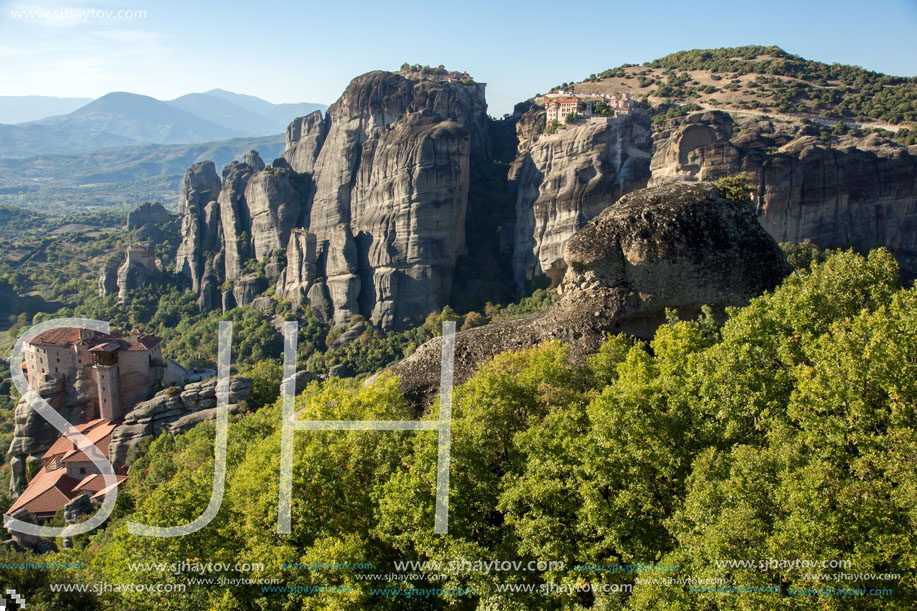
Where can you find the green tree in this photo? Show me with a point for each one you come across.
(736, 188)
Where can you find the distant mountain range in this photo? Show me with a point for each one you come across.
(126, 119)
(23, 108)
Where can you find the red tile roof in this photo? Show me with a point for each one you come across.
(57, 337)
(51, 489)
(46, 494)
(98, 342)
(106, 347)
(64, 445)
(95, 483)
(100, 436)
(104, 490)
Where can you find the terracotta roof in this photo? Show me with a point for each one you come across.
(46, 494)
(100, 436)
(97, 431)
(98, 342)
(95, 483)
(57, 337)
(141, 342)
(102, 492)
(64, 445)
(106, 347)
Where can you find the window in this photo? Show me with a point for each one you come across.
(82, 470)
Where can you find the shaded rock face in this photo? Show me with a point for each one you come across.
(564, 179)
(175, 411)
(108, 280)
(275, 202)
(861, 195)
(138, 265)
(199, 187)
(679, 246)
(369, 202)
(305, 137)
(149, 213)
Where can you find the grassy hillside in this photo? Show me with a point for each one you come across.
(763, 78)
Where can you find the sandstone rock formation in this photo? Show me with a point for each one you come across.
(305, 137)
(149, 213)
(861, 194)
(108, 280)
(679, 246)
(139, 263)
(174, 410)
(367, 204)
(564, 179)
(23, 542)
(365, 212)
(199, 187)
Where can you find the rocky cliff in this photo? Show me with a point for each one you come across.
(149, 223)
(174, 410)
(859, 192)
(566, 178)
(364, 214)
(679, 246)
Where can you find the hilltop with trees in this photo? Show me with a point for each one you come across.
(766, 79)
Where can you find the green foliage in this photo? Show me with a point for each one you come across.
(736, 188)
(552, 127)
(664, 112)
(193, 340)
(801, 255)
(34, 584)
(570, 119)
(907, 137)
(266, 376)
(785, 432)
(602, 109)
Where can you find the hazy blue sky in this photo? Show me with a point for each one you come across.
(304, 51)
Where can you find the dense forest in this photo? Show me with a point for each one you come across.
(785, 432)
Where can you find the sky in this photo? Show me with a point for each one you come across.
(308, 52)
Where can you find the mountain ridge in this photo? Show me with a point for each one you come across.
(124, 119)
